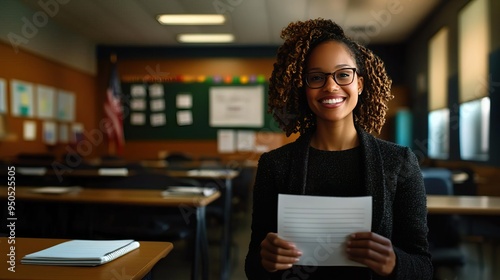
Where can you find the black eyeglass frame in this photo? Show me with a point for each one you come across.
(354, 70)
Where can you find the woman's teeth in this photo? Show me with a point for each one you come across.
(332, 101)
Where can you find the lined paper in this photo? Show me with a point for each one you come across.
(320, 225)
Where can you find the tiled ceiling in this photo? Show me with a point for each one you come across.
(253, 22)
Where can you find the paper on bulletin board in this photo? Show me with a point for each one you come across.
(138, 91)
(158, 119)
(184, 117)
(245, 140)
(137, 119)
(157, 105)
(29, 130)
(184, 101)
(226, 141)
(49, 133)
(156, 90)
(3, 97)
(65, 106)
(138, 104)
(46, 101)
(241, 106)
(22, 99)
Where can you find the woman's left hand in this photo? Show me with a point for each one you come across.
(372, 250)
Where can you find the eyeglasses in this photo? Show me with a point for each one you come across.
(342, 77)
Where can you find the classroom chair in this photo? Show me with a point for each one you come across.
(445, 234)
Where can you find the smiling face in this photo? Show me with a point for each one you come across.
(332, 103)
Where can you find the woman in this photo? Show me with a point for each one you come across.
(334, 92)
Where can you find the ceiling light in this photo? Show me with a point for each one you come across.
(203, 19)
(205, 38)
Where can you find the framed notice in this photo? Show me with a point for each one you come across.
(236, 106)
(65, 106)
(46, 101)
(22, 99)
(3, 97)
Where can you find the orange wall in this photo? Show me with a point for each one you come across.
(32, 68)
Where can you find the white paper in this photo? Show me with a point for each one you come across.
(241, 106)
(46, 101)
(138, 91)
(158, 119)
(37, 171)
(3, 96)
(137, 119)
(157, 105)
(22, 99)
(184, 117)
(66, 106)
(29, 130)
(246, 140)
(49, 133)
(225, 141)
(320, 225)
(156, 90)
(138, 104)
(184, 101)
(112, 171)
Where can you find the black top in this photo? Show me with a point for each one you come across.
(335, 173)
(388, 172)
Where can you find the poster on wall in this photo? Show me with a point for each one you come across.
(184, 101)
(65, 106)
(22, 100)
(63, 133)
(49, 133)
(45, 101)
(29, 130)
(3, 97)
(236, 106)
(77, 131)
(226, 141)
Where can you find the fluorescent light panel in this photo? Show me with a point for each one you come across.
(191, 19)
(205, 38)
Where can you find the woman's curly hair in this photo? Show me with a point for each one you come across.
(287, 101)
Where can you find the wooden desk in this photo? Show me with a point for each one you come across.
(465, 205)
(134, 265)
(136, 197)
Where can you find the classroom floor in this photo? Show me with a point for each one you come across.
(177, 264)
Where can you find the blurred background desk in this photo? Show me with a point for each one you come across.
(189, 204)
(465, 205)
(223, 179)
(134, 265)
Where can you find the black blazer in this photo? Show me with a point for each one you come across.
(393, 179)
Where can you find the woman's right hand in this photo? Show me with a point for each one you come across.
(277, 254)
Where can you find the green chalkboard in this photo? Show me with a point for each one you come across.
(198, 130)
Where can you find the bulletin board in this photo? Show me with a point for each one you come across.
(143, 120)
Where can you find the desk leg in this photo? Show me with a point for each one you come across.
(226, 234)
(201, 245)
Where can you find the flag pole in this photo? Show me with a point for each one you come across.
(111, 143)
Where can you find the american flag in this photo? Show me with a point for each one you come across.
(114, 113)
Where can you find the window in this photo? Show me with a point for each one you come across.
(474, 129)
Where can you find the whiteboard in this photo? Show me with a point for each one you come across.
(236, 106)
